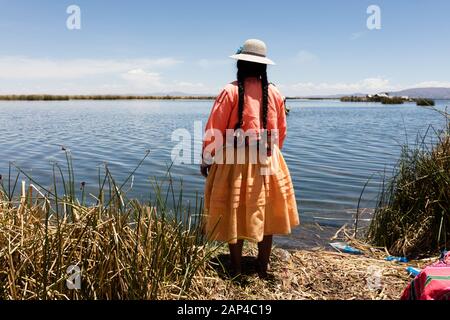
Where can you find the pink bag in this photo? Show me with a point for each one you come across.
(432, 283)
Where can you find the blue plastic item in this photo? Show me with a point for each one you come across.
(413, 271)
(398, 259)
(344, 247)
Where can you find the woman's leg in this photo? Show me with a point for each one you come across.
(236, 256)
(264, 250)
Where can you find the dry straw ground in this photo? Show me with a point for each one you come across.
(165, 261)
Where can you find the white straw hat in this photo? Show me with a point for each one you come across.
(253, 50)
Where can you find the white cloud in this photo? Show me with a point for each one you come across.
(375, 84)
(142, 79)
(210, 63)
(306, 57)
(27, 75)
(369, 85)
(428, 84)
(25, 68)
(189, 85)
(24, 75)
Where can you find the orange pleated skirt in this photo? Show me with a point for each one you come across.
(249, 199)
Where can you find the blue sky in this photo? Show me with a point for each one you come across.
(320, 47)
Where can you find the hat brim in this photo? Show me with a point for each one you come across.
(252, 58)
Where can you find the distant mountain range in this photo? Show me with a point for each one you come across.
(430, 93)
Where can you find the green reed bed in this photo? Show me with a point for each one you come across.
(383, 100)
(425, 102)
(392, 100)
(412, 217)
(125, 249)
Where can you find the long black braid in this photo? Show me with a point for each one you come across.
(265, 91)
(250, 69)
(241, 87)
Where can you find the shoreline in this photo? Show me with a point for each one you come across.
(52, 97)
(315, 274)
(310, 275)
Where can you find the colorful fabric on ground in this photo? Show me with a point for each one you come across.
(433, 283)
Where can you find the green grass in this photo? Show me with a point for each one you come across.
(125, 249)
(412, 217)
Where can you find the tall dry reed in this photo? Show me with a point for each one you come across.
(412, 217)
(124, 249)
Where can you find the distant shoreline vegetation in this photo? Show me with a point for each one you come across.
(386, 99)
(312, 98)
(49, 97)
(425, 102)
(52, 97)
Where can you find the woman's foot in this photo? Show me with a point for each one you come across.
(236, 257)
(264, 251)
(262, 269)
(235, 271)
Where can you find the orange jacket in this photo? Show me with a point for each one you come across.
(224, 114)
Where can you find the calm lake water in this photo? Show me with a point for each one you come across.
(332, 148)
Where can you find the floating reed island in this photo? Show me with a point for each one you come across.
(387, 99)
(424, 102)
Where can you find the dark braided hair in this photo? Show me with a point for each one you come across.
(258, 70)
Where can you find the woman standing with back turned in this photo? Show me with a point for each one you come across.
(249, 193)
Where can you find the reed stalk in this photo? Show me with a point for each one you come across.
(412, 217)
(125, 249)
